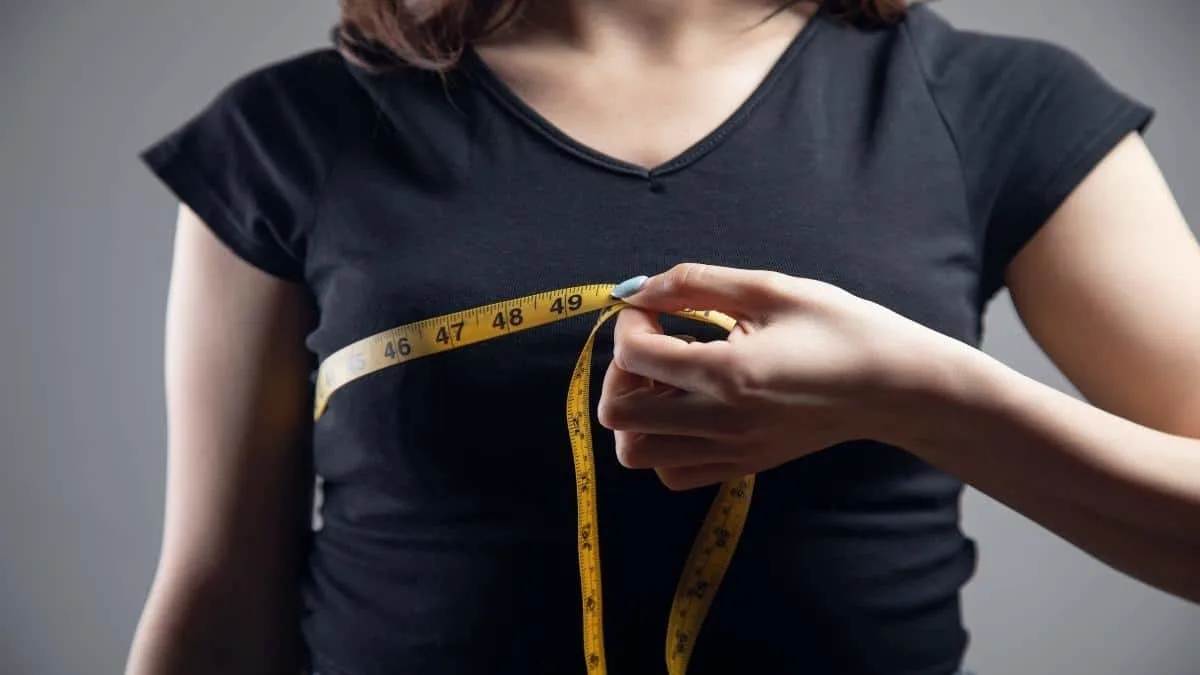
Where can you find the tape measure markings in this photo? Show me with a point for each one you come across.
(718, 537)
(451, 331)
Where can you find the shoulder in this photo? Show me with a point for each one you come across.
(314, 73)
(312, 92)
(320, 101)
(1011, 98)
(251, 163)
(1030, 120)
(277, 128)
(978, 63)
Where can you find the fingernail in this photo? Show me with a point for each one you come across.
(629, 287)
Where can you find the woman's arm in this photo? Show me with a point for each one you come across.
(1125, 493)
(225, 592)
(1110, 288)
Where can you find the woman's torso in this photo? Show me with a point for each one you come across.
(447, 542)
(448, 536)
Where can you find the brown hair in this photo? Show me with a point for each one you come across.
(431, 34)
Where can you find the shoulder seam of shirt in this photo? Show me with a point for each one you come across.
(335, 161)
(925, 79)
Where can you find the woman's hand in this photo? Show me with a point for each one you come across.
(808, 366)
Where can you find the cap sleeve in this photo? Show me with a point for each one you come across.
(1030, 121)
(252, 161)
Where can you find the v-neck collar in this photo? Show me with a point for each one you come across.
(509, 99)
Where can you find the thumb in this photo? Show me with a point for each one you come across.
(732, 291)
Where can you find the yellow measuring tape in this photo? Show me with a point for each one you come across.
(718, 537)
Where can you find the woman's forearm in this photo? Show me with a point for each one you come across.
(195, 628)
(1126, 493)
(1169, 564)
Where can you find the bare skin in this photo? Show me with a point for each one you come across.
(223, 599)
(1108, 289)
(639, 81)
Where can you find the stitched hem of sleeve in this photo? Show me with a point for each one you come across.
(190, 188)
(1127, 118)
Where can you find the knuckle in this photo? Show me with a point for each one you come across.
(739, 383)
(730, 389)
(619, 358)
(623, 356)
(628, 450)
(673, 480)
(684, 275)
(773, 285)
(608, 413)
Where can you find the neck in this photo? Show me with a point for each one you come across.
(660, 27)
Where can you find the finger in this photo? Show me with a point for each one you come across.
(692, 477)
(637, 321)
(737, 292)
(653, 451)
(641, 348)
(673, 412)
(619, 383)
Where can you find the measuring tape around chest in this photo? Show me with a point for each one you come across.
(714, 545)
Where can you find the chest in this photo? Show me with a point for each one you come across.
(497, 210)
(396, 253)
(483, 204)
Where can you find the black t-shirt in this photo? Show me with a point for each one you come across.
(906, 165)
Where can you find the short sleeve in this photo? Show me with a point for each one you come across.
(251, 163)
(1030, 121)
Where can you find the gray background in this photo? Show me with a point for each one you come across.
(85, 242)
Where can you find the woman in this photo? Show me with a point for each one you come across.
(857, 180)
